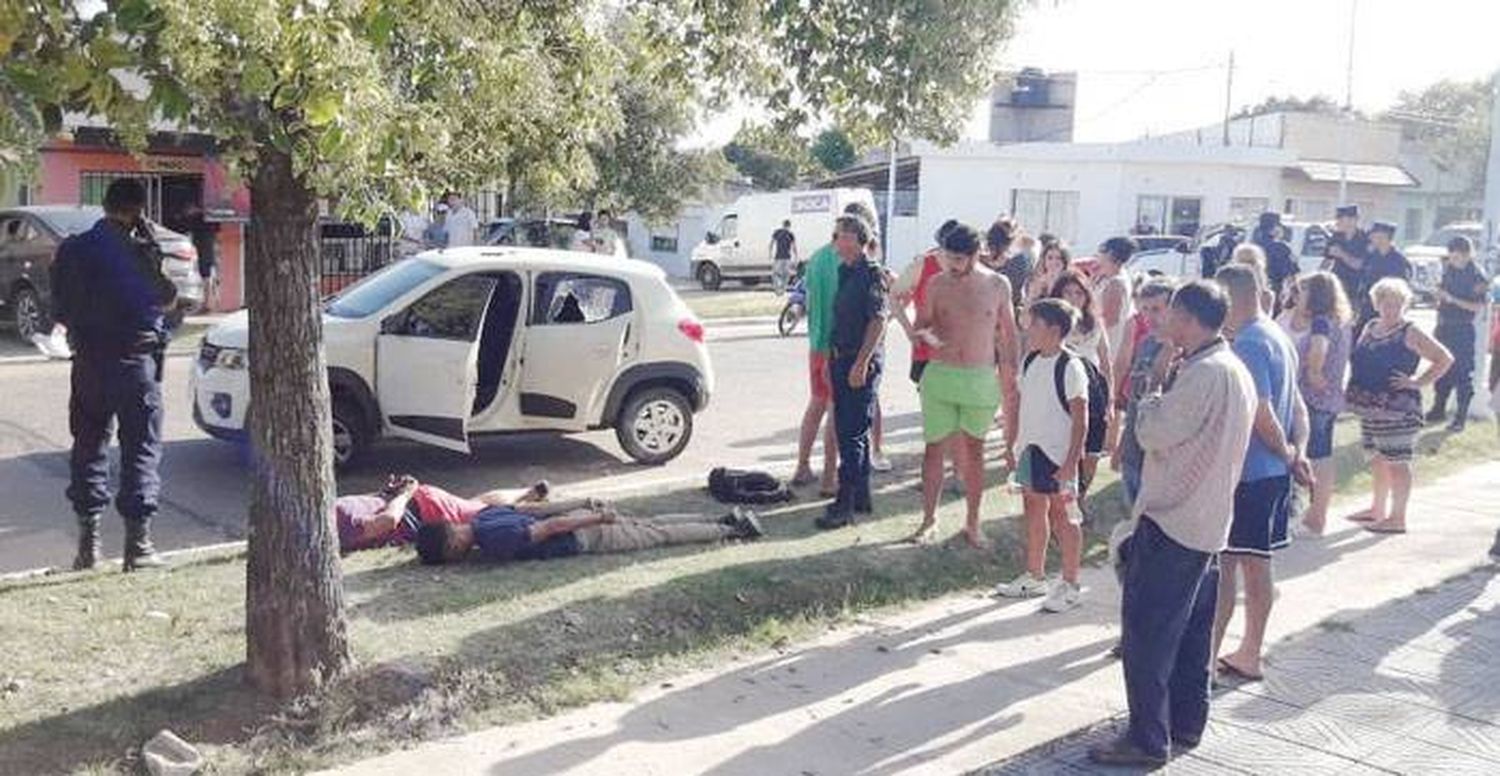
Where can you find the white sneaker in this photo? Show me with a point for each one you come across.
(1024, 586)
(880, 463)
(1062, 597)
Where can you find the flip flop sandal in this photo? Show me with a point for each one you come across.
(1385, 529)
(1229, 669)
(1360, 517)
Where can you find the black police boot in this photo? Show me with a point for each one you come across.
(1461, 414)
(90, 551)
(1439, 411)
(862, 505)
(840, 513)
(139, 553)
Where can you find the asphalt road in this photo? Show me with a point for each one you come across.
(751, 421)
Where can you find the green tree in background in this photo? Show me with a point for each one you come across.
(1451, 120)
(833, 150)
(638, 162)
(768, 157)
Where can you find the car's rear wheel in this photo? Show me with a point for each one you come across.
(30, 316)
(709, 276)
(655, 425)
(351, 436)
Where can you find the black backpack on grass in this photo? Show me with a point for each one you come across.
(1098, 391)
(742, 486)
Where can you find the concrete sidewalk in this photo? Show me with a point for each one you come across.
(1404, 687)
(962, 683)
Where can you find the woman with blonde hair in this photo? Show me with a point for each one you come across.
(1319, 325)
(1385, 391)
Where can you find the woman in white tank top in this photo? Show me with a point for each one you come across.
(1112, 290)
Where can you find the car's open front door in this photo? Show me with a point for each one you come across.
(425, 363)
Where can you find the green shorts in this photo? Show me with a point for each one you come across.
(958, 398)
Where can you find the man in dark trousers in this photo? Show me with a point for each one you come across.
(860, 312)
(1460, 297)
(108, 289)
(1345, 255)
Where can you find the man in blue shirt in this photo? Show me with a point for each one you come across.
(542, 532)
(108, 289)
(1274, 457)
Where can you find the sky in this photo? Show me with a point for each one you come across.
(1156, 66)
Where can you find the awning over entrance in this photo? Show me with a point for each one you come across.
(1368, 174)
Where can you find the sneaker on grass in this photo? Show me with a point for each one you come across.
(1024, 586)
(1062, 597)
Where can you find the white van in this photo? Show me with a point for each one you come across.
(738, 247)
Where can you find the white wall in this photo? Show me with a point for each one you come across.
(688, 228)
(975, 189)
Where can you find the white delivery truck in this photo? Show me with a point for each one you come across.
(738, 245)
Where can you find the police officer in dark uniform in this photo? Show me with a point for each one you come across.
(860, 313)
(109, 290)
(1280, 265)
(1382, 261)
(1345, 255)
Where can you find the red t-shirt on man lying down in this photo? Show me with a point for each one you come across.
(354, 517)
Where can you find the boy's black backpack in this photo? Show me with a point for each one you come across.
(1098, 388)
(741, 486)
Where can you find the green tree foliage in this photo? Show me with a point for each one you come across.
(833, 150)
(1318, 103)
(877, 68)
(769, 157)
(638, 162)
(1451, 121)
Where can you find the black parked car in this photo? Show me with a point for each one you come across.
(29, 237)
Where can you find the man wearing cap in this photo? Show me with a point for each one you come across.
(1383, 261)
(1280, 266)
(1347, 247)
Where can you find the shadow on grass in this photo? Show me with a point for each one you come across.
(216, 709)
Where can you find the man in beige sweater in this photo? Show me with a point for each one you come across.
(1195, 432)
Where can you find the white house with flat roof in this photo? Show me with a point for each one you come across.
(1175, 184)
(1081, 192)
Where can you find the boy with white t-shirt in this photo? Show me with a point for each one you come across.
(1053, 421)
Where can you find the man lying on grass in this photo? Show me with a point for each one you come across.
(391, 517)
(542, 531)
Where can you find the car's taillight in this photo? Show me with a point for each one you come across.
(691, 329)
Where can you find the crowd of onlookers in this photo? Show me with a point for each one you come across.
(1216, 400)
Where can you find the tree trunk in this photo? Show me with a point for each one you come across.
(294, 593)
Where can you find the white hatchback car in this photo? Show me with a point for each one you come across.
(447, 344)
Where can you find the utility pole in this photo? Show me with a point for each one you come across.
(1480, 408)
(890, 207)
(1229, 97)
(1348, 101)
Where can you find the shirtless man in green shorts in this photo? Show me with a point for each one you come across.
(968, 320)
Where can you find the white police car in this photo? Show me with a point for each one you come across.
(448, 344)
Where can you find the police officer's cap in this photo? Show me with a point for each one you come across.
(1383, 226)
(1348, 211)
(1268, 220)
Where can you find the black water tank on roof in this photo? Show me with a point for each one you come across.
(1033, 87)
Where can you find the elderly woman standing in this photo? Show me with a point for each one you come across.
(1385, 392)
